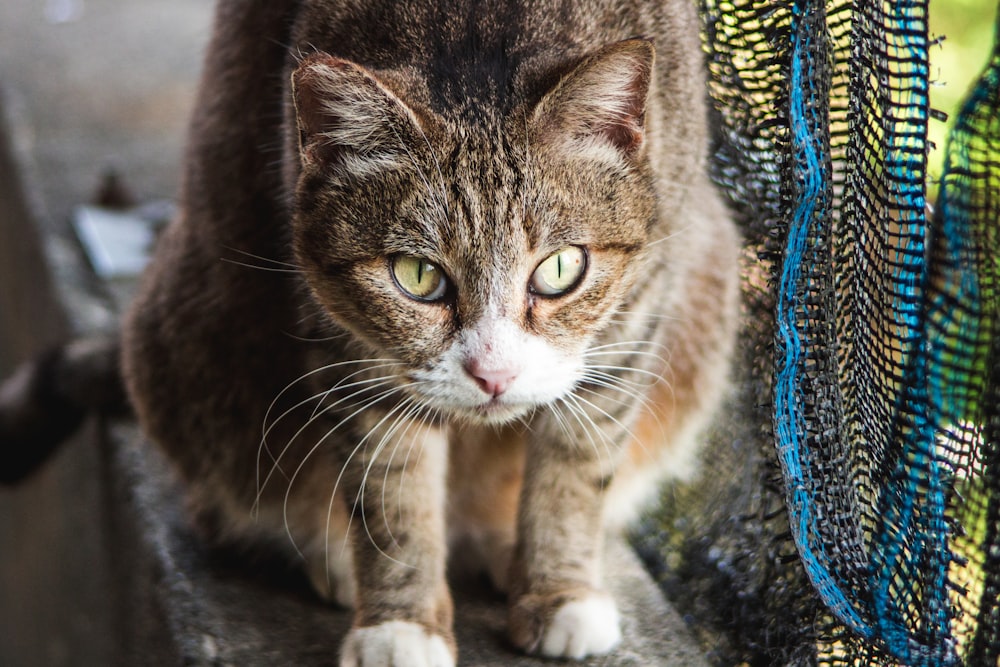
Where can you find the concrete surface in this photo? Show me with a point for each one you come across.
(97, 566)
(247, 609)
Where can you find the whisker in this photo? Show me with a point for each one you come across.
(390, 434)
(425, 424)
(291, 482)
(258, 268)
(309, 374)
(630, 395)
(645, 404)
(682, 230)
(266, 428)
(442, 190)
(302, 339)
(575, 409)
(372, 385)
(340, 386)
(600, 368)
(359, 496)
(439, 195)
(643, 315)
(633, 389)
(606, 414)
(415, 409)
(561, 418)
(320, 397)
(631, 345)
(277, 266)
(622, 352)
(263, 259)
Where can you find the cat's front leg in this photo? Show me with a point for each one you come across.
(395, 489)
(558, 608)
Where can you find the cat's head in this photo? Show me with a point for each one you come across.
(484, 255)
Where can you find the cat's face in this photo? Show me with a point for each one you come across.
(486, 259)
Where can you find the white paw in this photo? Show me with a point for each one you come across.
(590, 626)
(395, 644)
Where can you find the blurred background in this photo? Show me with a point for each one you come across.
(966, 28)
(87, 88)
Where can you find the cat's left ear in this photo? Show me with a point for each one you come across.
(601, 103)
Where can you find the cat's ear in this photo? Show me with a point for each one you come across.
(601, 103)
(347, 118)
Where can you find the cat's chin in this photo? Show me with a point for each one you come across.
(494, 413)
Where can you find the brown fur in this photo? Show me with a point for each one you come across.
(330, 138)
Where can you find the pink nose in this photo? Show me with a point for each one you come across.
(493, 381)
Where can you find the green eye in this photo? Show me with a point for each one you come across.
(418, 278)
(559, 272)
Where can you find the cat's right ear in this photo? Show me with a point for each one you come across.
(347, 119)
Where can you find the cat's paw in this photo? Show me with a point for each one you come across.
(395, 644)
(577, 628)
(590, 626)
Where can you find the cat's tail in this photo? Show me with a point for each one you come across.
(47, 399)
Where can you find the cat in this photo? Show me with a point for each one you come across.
(447, 277)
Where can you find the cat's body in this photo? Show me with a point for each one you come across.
(355, 151)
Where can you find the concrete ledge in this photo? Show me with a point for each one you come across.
(229, 608)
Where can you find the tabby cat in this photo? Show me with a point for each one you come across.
(445, 273)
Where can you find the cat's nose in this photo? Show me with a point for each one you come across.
(493, 381)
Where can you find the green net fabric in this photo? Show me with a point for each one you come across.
(857, 521)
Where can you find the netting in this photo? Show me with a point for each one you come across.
(861, 525)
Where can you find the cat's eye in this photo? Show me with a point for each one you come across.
(419, 278)
(560, 272)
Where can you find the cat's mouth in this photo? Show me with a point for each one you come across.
(497, 408)
(495, 411)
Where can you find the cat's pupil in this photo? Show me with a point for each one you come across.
(418, 278)
(560, 272)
